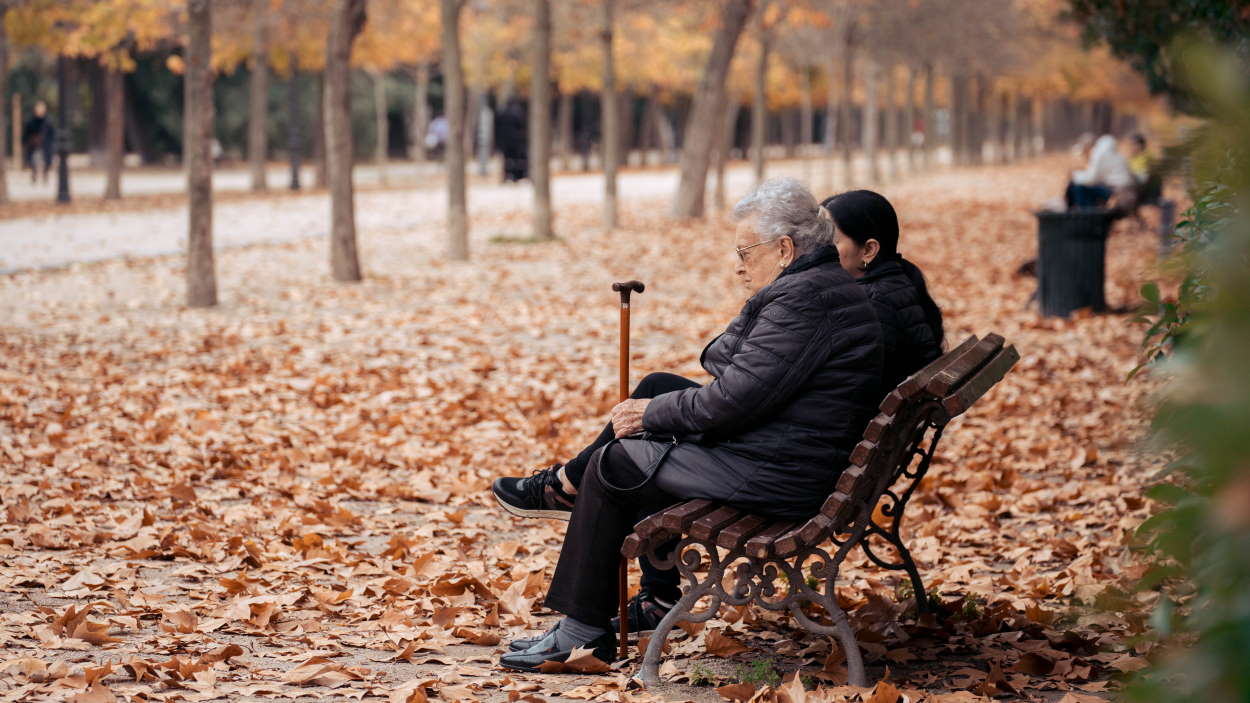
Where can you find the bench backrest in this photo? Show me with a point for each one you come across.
(928, 399)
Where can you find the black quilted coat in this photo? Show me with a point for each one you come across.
(910, 342)
(797, 375)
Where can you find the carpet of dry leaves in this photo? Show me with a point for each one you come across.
(286, 497)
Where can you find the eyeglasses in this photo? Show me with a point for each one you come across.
(742, 250)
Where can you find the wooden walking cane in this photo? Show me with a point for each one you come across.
(625, 289)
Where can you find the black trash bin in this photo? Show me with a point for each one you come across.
(1071, 259)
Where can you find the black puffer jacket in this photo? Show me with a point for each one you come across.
(797, 376)
(910, 342)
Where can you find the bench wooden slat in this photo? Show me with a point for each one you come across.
(706, 527)
(736, 534)
(634, 547)
(761, 545)
(863, 453)
(971, 360)
(850, 475)
(917, 381)
(813, 531)
(679, 517)
(981, 382)
(650, 526)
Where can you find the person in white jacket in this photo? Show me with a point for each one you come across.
(1106, 174)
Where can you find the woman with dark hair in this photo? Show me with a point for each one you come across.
(866, 235)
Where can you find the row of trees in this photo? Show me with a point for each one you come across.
(879, 68)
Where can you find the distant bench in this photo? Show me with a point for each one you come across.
(885, 468)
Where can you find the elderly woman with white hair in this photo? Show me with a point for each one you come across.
(795, 377)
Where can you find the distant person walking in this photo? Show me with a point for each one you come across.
(513, 140)
(436, 137)
(39, 139)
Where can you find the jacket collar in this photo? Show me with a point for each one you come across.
(823, 255)
(880, 270)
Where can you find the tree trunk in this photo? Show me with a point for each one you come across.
(564, 126)
(759, 110)
(709, 96)
(320, 179)
(114, 132)
(295, 120)
(723, 146)
(197, 149)
(980, 120)
(844, 107)
(4, 90)
(611, 118)
(958, 137)
(16, 125)
(889, 130)
(421, 111)
(540, 120)
(930, 117)
(453, 90)
(347, 22)
(1004, 127)
(909, 118)
(806, 112)
(872, 120)
(381, 128)
(258, 113)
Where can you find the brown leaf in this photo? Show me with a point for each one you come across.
(96, 693)
(883, 692)
(93, 632)
(718, 644)
(740, 692)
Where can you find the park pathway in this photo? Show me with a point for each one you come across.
(60, 239)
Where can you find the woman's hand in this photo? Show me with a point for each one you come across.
(627, 416)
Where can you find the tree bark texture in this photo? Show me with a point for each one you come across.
(702, 122)
(759, 110)
(347, 22)
(453, 159)
(612, 142)
(540, 120)
(114, 132)
(421, 111)
(197, 148)
(258, 99)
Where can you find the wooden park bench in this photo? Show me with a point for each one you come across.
(771, 558)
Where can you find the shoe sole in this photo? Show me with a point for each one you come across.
(522, 512)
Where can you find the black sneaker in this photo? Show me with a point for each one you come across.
(537, 495)
(645, 613)
(603, 647)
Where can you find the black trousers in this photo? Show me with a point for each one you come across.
(665, 583)
(651, 385)
(584, 586)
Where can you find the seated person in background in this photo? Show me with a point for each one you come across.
(865, 231)
(795, 378)
(1150, 185)
(1106, 174)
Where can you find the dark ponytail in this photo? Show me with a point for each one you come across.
(862, 215)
